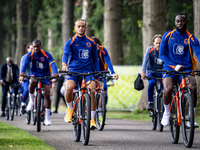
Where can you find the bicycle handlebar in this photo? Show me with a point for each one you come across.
(148, 78)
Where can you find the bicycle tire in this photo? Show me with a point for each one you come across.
(38, 112)
(160, 113)
(154, 115)
(100, 125)
(174, 129)
(12, 108)
(75, 121)
(28, 117)
(7, 110)
(85, 120)
(188, 133)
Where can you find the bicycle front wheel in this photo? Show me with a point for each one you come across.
(100, 111)
(38, 112)
(188, 120)
(85, 120)
(174, 129)
(160, 113)
(12, 108)
(153, 112)
(75, 122)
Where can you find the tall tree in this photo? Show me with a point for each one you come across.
(154, 22)
(67, 20)
(196, 7)
(87, 12)
(112, 30)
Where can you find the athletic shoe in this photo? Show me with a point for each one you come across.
(30, 106)
(165, 119)
(195, 125)
(150, 107)
(93, 125)
(23, 110)
(68, 116)
(47, 122)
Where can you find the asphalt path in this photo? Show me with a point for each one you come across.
(117, 135)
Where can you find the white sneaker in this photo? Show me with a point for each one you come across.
(195, 124)
(47, 122)
(30, 106)
(165, 119)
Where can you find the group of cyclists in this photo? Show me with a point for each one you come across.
(172, 51)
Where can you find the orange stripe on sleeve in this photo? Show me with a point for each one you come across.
(190, 35)
(51, 62)
(151, 49)
(90, 39)
(74, 37)
(64, 64)
(172, 66)
(43, 52)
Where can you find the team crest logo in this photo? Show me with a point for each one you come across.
(83, 54)
(42, 58)
(88, 44)
(39, 65)
(186, 41)
(178, 49)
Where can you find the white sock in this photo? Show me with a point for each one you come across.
(93, 114)
(166, 108)
(31, 96)
(51, 98)
(47, 113)
(69, 105)
(100, 111)
(22, 104)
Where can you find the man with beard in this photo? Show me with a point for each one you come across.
(175, 53)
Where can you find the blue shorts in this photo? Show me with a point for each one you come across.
(174, 76)
(45, 81)
(75, 78)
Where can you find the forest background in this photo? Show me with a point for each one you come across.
(125, 27)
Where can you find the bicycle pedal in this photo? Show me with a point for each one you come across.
(150, 113)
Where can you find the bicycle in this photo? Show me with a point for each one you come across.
(181, 110)
(81, 107)
(38, 108)
(11, 103)
(158, 106)
(18, 102)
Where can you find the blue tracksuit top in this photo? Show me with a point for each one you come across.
(104, 59)
(151, 61)
(28, 69)
(176, 50)
(42, 64)
(83, 54)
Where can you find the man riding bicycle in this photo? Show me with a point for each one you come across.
(42, 65)
(151, 63)
(176, 55)
(82, 51)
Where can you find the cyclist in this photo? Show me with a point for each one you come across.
(29, 48)
(175, 53)
(151, 63)
(82, 51)
(104, 64)
(41, 62)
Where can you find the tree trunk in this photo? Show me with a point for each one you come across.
(39, 31)
(196, 7)
(67, 20)
(87, 12)
(112, 30)
(154, 22)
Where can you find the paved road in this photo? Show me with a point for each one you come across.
(117, 135)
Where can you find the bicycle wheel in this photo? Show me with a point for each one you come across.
(28, 117)
(7, 109)
(174, 129)
(38, 112)
(100, 113)
(85, 120)
(12, 108)
(153, 113)
(75, 121)
(160, 113)
(188, 118)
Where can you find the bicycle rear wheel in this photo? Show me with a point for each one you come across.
(85, 120)
(12, 108)
(38, 112)
(28, 117)
(188, 119)
(100, 113)
(160, 113)
(75, 121)
(7, 109)
(174, 129)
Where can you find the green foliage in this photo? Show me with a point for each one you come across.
(179, 6)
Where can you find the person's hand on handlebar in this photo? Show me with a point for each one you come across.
(65, 68)
(22, 75)
(115, 76)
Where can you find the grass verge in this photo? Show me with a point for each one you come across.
(15, 138)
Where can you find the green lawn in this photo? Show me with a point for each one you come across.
(15, 138)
